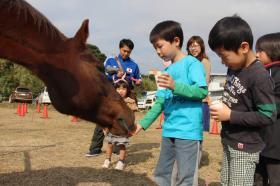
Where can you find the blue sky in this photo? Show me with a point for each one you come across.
(112, 20)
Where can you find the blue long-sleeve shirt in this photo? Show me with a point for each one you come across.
(129, 66)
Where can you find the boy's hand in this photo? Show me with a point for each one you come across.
(138, 128)
(166, 81)
(105, 131)
(220, 114)
(137, 82)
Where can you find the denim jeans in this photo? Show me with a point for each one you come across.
(185, 152)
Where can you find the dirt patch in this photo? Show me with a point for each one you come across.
(37, 151)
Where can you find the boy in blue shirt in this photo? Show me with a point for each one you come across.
(185, 85)
(248, 100)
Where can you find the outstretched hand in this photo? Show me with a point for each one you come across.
(136, 81)
(138, 128)
(105, 131)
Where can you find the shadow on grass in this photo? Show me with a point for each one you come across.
(214, 184)
(140, 152)
(142, 146)
(204, 159)
(136, 158)
(73, 176)
(201, 182)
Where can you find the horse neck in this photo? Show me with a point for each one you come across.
(26, 36)
(26, 53)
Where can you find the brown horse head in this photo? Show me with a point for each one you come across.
(70, 72)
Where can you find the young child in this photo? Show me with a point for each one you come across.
(248, 100)
(268, 52)
(122, 87)
(185, 87)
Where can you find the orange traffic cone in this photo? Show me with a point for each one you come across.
(215, 128)
(22, 113)
(38, 108)
(74, 119)
(24, 108)
(45, 111)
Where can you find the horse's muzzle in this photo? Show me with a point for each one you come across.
(128, 128)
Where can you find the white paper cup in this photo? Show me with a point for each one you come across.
(157, 74)
(216, 105)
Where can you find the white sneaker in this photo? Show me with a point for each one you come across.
(106, 163)
(120, 165)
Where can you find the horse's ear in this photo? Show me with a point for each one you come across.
(83, 33)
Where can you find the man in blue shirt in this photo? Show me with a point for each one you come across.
(118, 66)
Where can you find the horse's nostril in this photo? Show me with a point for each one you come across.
(131, 128)
(122, 123)
(125, 126)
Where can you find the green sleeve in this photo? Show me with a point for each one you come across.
(193, 92)
(152, 114)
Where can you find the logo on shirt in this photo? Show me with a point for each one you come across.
(129, 70)
(240, 145)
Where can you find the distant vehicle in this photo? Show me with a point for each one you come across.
(21, 94)
(216, 85)
(44, 98)
(151, 99)
(215, 90)
(147, 100)
(141, 103)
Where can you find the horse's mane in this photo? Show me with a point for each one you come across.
(25, 10)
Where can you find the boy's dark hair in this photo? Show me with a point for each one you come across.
(126, 42)
(124, 84)
(270, 44)
(229, 33)
(198, 40)
(167, 30)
